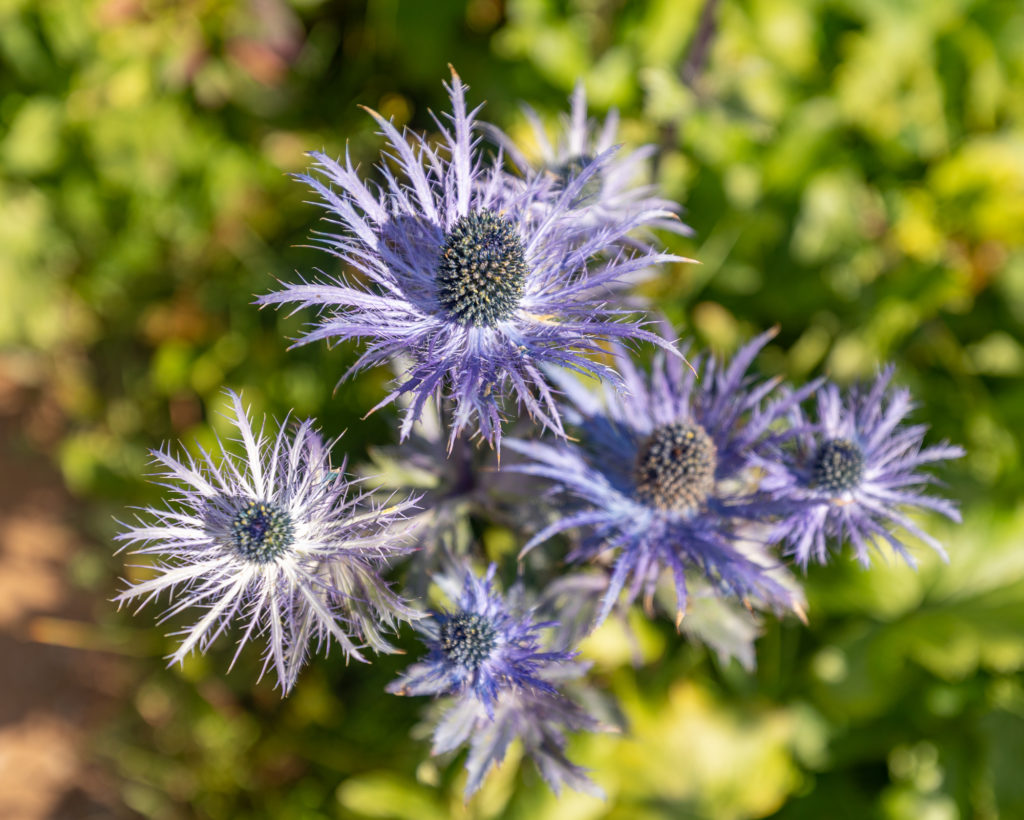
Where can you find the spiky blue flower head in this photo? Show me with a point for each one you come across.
(278, 540)
(460, 274)
(481, 646)
(611, 190)
(660, 477)
(852, 474)
(486, 655)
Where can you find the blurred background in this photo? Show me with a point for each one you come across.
(854, 173)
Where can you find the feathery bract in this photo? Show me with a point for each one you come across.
(278, 540)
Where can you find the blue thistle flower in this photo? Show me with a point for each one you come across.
(277, 539)
(661, 477)
(461, 275)
(479, 648)
(486, 654)
(611, 191)
(852, 474)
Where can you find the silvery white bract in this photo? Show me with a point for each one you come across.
(276, 540)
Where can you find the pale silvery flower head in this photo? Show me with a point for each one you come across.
(461, 275)
(613, 189)
(277, 540)
(659, 478)
(486, 655)
(854, 473)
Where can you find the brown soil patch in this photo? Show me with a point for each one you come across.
(53, 689)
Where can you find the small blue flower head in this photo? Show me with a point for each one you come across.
(661, 480)
(612, 189)
(486, 655)
(278, 540)
(853, 474)
(479, 648)
(461, 275)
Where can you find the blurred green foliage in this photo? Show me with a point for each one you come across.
(854, 171)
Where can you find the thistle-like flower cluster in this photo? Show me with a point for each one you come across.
(491, 287)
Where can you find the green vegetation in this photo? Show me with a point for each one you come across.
(854, 172)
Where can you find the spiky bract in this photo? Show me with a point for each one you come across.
(486, 653)
(660, 477)
(613, 188)
(460, 274)
(852, 474)
(276, 539)
(479, 648)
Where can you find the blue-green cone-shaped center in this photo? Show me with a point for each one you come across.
(675, 467)
(261, 532)
(567, 171)
(838, 466)
(482, 269)
(468, 639)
